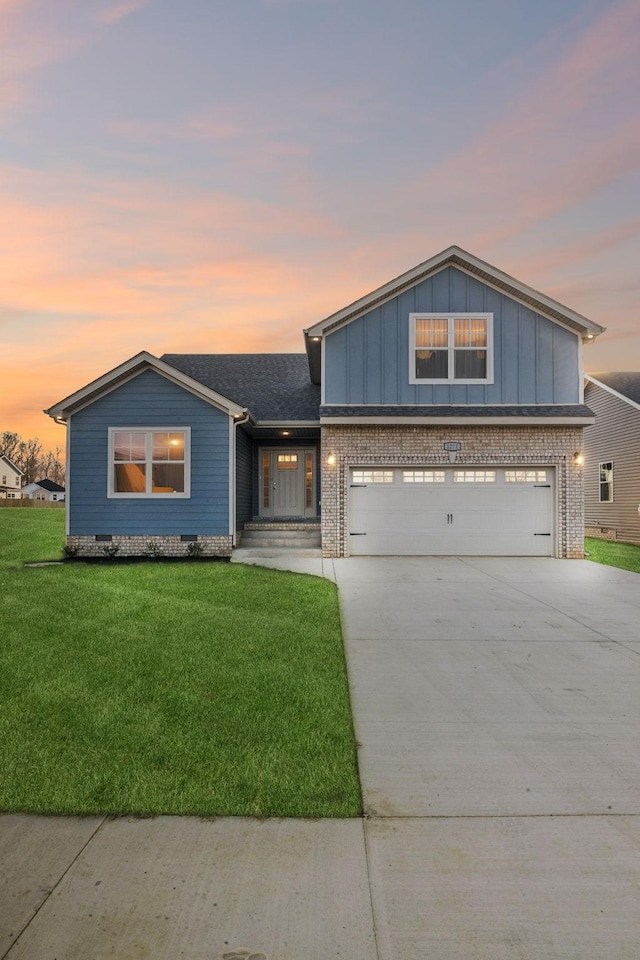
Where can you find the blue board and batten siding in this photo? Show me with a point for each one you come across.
(535, 359)
(244, 479)
(149, 400)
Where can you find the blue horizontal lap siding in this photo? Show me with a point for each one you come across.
(149, 400)
(535, 359)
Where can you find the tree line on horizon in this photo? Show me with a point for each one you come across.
(30, 456)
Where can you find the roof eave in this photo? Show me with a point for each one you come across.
(131, 368)
(458, 257)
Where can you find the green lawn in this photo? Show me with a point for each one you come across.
(177, 688)
(625, 555)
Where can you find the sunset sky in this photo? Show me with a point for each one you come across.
(214, 175)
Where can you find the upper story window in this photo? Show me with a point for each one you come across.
(149, 462)
(451, 348)
(606, 482)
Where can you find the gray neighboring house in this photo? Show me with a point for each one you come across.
(45, 489)
(441, 414)
(612, 457)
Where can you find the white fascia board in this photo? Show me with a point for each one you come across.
(614, 393)
(460, 421)
(479, 269)
(12, 465)
(127, 371)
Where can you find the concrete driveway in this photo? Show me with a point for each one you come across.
(497, 704)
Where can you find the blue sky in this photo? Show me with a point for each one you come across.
(215, 176)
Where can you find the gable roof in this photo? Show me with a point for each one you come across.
(273, 387)
(457, 257)
(50, 485)
(132, 368)
(625, 385)
(11, 464)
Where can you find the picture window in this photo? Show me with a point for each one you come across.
(149, 463)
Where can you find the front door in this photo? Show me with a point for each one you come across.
(287, 482)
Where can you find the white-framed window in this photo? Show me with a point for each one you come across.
(525, 476)
(423, 476)
(372, 476)
(451, 348)
(149, 462)
(287, 461)
(605, 471)
(474, 476)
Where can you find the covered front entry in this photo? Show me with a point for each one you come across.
(452, 511)
(287, 482)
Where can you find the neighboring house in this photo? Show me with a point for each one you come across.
(442, 414)
(10, 480)
(44, 490)
(612, 457)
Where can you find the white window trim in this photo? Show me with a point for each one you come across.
(600, 482)
(111, 493)
(451, 317)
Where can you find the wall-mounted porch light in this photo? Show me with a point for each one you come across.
(578, 458)
(331, 459)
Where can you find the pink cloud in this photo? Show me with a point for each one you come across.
(539, 157)
(114, 12)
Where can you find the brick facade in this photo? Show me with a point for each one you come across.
(148, 546)
(406, 445)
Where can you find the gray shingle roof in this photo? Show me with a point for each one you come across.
(628, 384)
(273, 386)
(50, 485)
(559, 410)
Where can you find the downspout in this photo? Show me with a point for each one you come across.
(235, 423)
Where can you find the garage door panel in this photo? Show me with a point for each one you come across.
(452, 518)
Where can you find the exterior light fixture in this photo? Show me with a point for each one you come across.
(285, 433)
(331, 459)
(578, 458)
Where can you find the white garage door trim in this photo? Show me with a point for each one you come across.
(456, 510)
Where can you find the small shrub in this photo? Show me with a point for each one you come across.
(195, 549)
(153, 550)
(68, 551)
(110, 550)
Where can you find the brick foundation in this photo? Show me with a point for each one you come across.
(402, 445)
(148, 546)
(601, 533)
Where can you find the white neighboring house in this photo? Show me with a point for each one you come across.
(10, 480)
(44, 490)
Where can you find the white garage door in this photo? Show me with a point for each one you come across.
(452, 511)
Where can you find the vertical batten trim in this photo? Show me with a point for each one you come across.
(232, 480)
(67, 481)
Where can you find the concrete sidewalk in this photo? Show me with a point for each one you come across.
(496, 704)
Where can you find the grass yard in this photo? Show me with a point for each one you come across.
(624, 555)
(187, 688)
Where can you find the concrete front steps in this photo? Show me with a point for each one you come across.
(279, 540)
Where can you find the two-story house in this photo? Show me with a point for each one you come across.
(441, 414)
(10, 479)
